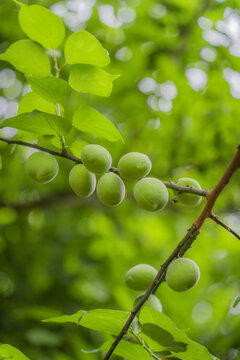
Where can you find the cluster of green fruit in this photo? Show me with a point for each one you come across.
(182, 274)
(150, 193)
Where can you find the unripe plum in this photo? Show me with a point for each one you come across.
(140, 277)
(96, 158)
(134, 166)
(110, 189)
(42, 167)
(151, 194)
(82, 181)
(186, 198)
(152, 302)
(182, 274)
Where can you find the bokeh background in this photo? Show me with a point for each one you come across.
(177, 100)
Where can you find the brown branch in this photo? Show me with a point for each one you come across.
(75, 159)
(183, 246)
(219, 222)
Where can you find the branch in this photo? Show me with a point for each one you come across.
(183, 246)
(219, 222)
(75, 159)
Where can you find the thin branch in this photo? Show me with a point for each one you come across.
(142, 343)
(182, 247)
(219, 222)
(170, 184)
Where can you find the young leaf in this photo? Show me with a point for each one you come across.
(50, 88)
(108, 321)
(42, 26)
(127, 350)
(236, 302)
(28, 57)
(32, 101)
(77, 146)
(91, 79)
(161, 333)
(83, 48)
(88, 119)
(39, 123)
(10, 352)
(74, 318)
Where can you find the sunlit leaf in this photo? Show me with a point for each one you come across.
(41, 25)
(77, 146)
(83, 48)
(39, 123)
(74, 318)
(28, 57)
(8, 351)
(50, 88)
(109, 321)
(32, 101)
(88, 119)
(91, 79)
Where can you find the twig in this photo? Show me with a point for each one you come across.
(142, 343)
(64, 155)
(183, 246)
(219, 222)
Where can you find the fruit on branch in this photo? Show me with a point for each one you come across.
(42, 167)
(82, 181)
(110, 189)
(96, 158)
(182, 274)
(152, 302)
(151, 194)
(140, 277)
(134, 166)
(186, 198)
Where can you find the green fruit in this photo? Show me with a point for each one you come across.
(151, 194)
(140, 277)
(110, 189)
(134, 166)
(185, 198)
(96, 158)
(42, 167)
(82, 181)
(182, 274)
(152, 302)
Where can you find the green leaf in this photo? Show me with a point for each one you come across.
(74, 318)
(28, 57)
(8, 351)
(77, 146)
(50, 88)
(161, 333)
(108, 321)
(42, 26)
(91, 79)
(32, 101)
(127, 350)
(83, 48)
(39, 123)
(88, 119)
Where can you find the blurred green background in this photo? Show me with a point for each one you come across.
(177, 100)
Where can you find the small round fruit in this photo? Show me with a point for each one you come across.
(134, 166)
(182, 274)
(110, 189)
(140, 277)
(42, 167)
(82, 182)
(151, 194)
(185, 198)
(96, 158)
(152, 302)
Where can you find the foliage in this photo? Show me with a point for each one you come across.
(60, 253)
